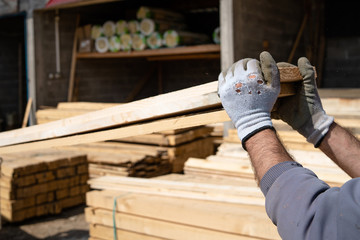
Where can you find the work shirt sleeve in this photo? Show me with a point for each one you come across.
(304, 207)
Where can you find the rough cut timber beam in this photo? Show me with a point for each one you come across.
(199, 98)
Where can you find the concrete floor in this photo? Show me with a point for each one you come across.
(69, 225)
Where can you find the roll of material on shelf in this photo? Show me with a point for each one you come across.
(125, 42)
(143, 12)
(174, 38)
(121, 27)
(216, 35)
(134, 26)
(102, 44)
(109, 28)
(154, 41)
(138, 41)
(96, 31)
(171, 38)
(114, 43)
(147, 26)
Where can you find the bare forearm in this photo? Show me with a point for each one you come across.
(265, 150)
(343, 148)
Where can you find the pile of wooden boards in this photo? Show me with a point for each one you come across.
(147, 155)
(217, 198)
(41, 183)
(177, 207)
(231, 161)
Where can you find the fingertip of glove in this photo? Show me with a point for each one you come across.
(266, 58)
(245, 62)
(264, 54)
(303, 62)
(305, 67)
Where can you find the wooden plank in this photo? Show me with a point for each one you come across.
(73, 60)
(15, 205)
(201, 191)
(27, 112)
(145, 128)
(104, 232)
(56, 114)
(209, 180)
(175, 103)
(170, 140)
(240, 219)
(154, 227)
(191, 99)
(186, 57)
(228, 169)
(339, 93)
(85, 106)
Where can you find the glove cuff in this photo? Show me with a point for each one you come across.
(252, 123)
(321, 127)
(243, 141)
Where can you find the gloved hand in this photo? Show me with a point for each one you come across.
(248, 91)
(304, 111)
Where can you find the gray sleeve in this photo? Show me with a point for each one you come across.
(304, 207)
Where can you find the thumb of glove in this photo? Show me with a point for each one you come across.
(270, 70)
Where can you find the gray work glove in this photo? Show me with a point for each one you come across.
(248, 91)
(304, 111)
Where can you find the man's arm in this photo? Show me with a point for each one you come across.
(301, 205)
(265, 150)
(343, 148)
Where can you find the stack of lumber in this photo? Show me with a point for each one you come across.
(41, 183)
(218, 129)
(231, 161)
(115, 159)
(177, 145)
(146, 155)
(177, 207)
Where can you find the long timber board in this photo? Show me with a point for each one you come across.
(199, 98)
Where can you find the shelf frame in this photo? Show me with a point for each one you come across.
(182, 52)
